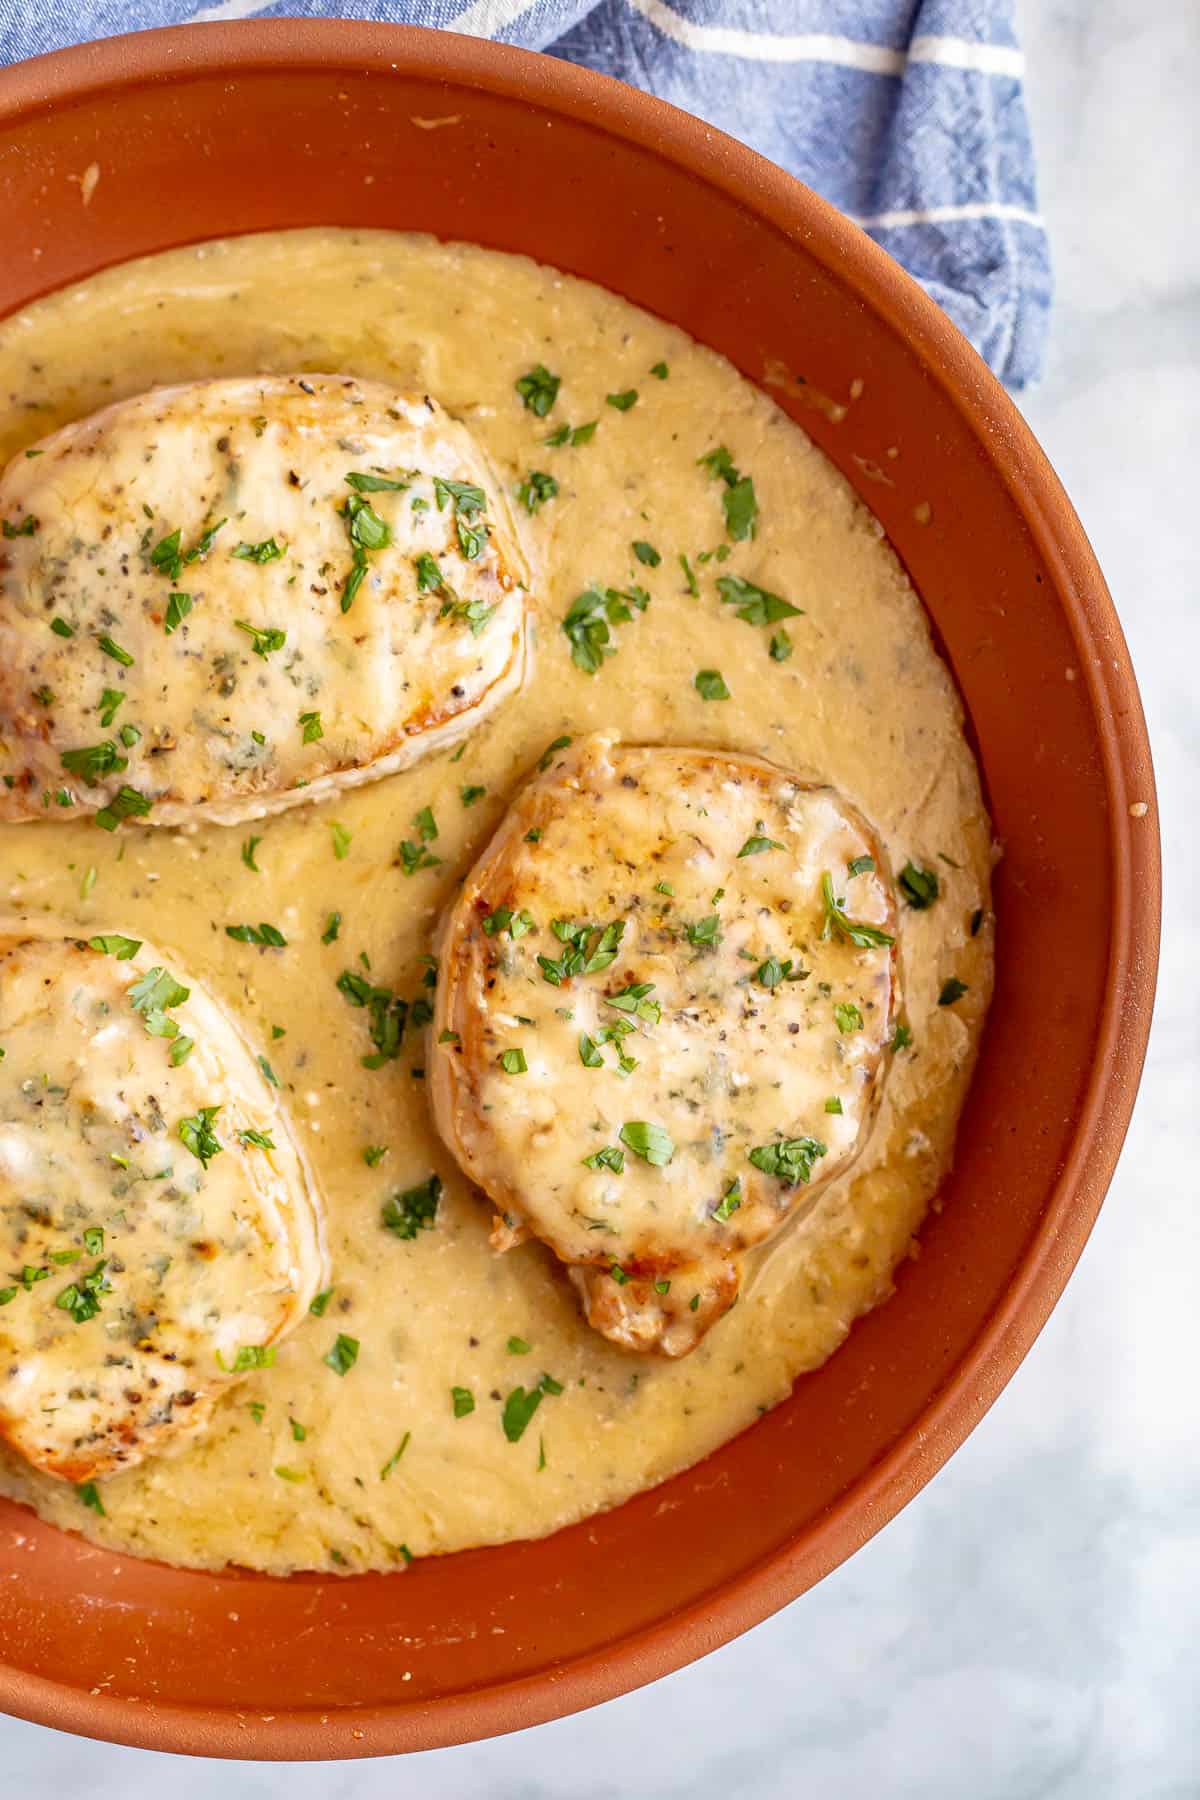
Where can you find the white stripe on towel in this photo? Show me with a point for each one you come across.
(949, 215)
(227, 9)
(487, 18)
(755, 46)
(961, 53)
(823, 47)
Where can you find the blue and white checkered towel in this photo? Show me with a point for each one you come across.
(908, 114)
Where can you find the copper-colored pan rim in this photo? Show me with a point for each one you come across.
(871, 276)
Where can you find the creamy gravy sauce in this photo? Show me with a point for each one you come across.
(863, 701)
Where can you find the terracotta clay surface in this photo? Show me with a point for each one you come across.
(119, 149)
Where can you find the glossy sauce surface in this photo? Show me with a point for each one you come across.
(304, 1467)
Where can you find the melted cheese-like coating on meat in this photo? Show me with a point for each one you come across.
(224, 599)
(656, 1036)
(159, 1227)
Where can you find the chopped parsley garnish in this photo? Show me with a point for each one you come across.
(45, 697)
(469, 795)
(833, 1104)
(374, 1154)
(689, 575)
(94, 761)
(111, 701)
(469, 503)
(170, 560)
(661, 370)
(756, 605)
(430, 579)
(367, 532)
(920, 887)
(256, 1140)
(710, 684)
(256, 1409)
(521, 1405)
(738, 500)
(93, 1240)
(538, 390)
(377, 484)
(412, 1210)
(504, 919)
(112, 944)
(847, 1016)
(249, 846)
(837, 924)
(952, 990)
(772, 971)
(89, 1493)
(589, 949)
(535, 489)
(646, 553)
(366, 529)
(152, 995)
(664, 887)
(249, 1356)
(266, 936)
(861, 865)
(633, 999)
(341, 840)
(319, 1302)
(311, 729)
(623, 401)
(518, 1347)
(790, 1159)
(513, 1062)
(463, 1402)
(588, 619)
(731, 1199)
(757, 845)
(344, 1354)
(704, 934)
(388, 1013)
(126, 803)
(648, 1141)
(60, 628)
(780, 647)
(265, 552)
(286, 1474)
(268, 1073)
(82, 1298)
(902, 1039)
(590, 1054)
(551, 750)
(414, 857)
(267, 638)
(394, 1458)
(299, 1431)
(572, 435)
(198, 1136)
(26, 528)
(333, 925)
(116, 652)
(608, 1158)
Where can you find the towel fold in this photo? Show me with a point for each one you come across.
(909, 115)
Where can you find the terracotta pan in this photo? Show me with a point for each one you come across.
(214, 129)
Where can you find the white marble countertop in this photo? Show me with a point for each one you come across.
(1027, 1628)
